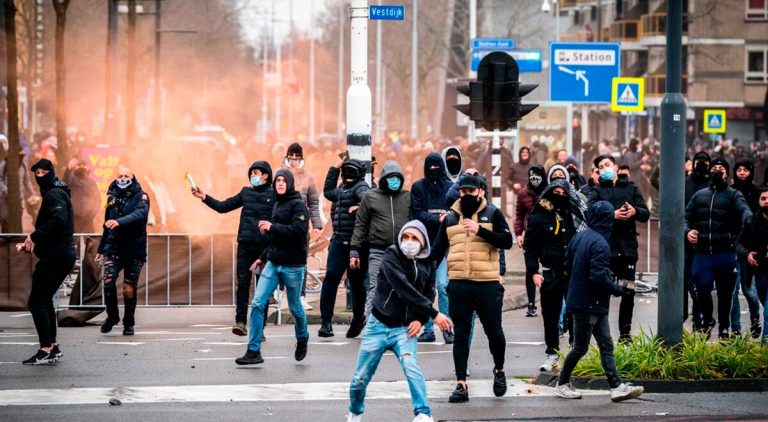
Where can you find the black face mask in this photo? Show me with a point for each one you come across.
(560, 202)
(349, 173)
(435, 174)
(701, 168)
(623, 177)
(573, 174)
(469, 205)
(453, 165)
(717, 179)
(45, 182)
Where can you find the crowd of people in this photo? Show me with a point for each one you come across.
(405, 241)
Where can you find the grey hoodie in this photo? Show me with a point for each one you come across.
(382, 213)
(418, 225)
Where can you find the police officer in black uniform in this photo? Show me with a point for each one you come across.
(123, 246)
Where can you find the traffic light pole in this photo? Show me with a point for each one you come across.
(359, 94)
(672, 177)
(496, 169)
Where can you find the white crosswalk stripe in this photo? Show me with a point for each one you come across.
(258, 392)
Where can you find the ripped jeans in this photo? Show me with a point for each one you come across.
(131, 268)
(377, 339)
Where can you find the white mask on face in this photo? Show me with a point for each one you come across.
(410, 248)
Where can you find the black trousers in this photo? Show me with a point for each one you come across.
(623, 268)
(131, 267)
(247, 253)
(530, 289)
(47, 277)
(485, 299)
(585, 326)
(336, 266)
(553, 292)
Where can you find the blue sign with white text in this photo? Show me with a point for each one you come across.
(386, 13)
(493, 44)
(583, 72)
(527, 60)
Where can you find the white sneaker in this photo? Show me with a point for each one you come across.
(566, 391)
(626, 391)
(305, 304)
(351, 417)
(421, 417)
(550, 363)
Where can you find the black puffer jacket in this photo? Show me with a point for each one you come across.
(624, 237)
(343, 197)
(55, 224)
(290, 227)
(696, 181)
(718, 215)
(257, 205)
(130, 208)
(754, 238)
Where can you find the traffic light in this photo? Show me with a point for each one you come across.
(495, 98)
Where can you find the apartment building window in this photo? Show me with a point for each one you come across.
(757, 64)
(757, 10)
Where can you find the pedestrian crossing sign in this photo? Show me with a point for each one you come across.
(628, 94)
(714, 121)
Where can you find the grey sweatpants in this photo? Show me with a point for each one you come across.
(374, 262)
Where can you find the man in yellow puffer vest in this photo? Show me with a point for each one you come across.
(472, 234)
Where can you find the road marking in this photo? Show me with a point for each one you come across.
(224, 343)
(265, 358)
(209, 325)
(177, 339)
(167, 333)
(12, 343)
(259, 393)
(6, 363)
(124, 343)
(329, 343)
(10, 335)
(21, 315)
(526, 343)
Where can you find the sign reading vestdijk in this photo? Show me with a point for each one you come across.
(386, 13)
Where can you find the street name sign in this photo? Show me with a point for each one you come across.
(583, 72)
(628, 94)
(386, 13)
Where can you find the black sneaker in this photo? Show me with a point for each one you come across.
(459, 395)
(755, 329)
(251, 357)
(128, 330)
(724, 335)
(326, 330)
(426, 337)
(625, 339)
(499, 383)
(108, 324)
(41, 358)
(531, 312)
(301, 350)
(355, 329)
(55, 351)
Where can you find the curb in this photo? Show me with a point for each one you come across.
(733, 385)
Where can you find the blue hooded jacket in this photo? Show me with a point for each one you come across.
(428, 195)
(587, 259)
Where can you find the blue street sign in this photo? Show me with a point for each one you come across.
(493, 44)
(583, 72)
(527, 60)
(386, 13)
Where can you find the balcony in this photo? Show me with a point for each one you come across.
(626, 30)
(655, 85)
(655, 24)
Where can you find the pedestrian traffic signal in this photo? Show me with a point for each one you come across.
(495, 98)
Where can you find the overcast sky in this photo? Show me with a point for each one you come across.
(254, 16)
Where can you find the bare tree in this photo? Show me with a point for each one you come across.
(12, 161)
(60, 6)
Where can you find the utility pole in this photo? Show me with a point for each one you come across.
(379, 133)
(671, 203)
(12, 102)
(415, 72)
(277, 45)
(264, 110)
(472, 36)
(111, 59)
(157, 106)
(312, 73)
(130, 95)
(340, 105)
(359, 94)
(60, 7)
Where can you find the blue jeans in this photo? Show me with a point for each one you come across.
(441, 283)
(584, 327)
(377, 339)
(745, 276)
(272, 275)
(761, 285)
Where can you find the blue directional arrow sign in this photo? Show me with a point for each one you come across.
(386, 13)
(583, 72)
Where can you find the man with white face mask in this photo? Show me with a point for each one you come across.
(123, 246)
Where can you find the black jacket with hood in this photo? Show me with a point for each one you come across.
(697, 181)
(428, 196)
(290, 226)
(130, 208)
(747, 188)
(406, 288)
(55, 222)
(718, 214)
(754, 238)
(343, 197)
(547, 235)
(624, 239)
(382, 213)
(587, 261)
(257, 204)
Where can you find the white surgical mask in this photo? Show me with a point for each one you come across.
(410, 248)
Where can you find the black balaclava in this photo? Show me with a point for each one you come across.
(45, 182)
(718, 180)
(351, 170)
(700, 165)
(561, 203)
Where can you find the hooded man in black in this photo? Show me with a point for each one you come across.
(526, 199)
(52, 243)
(345, 200)
(257, 201)
(123, 246)
(286, 262)
(696, 181)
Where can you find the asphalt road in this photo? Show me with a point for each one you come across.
(180, 366)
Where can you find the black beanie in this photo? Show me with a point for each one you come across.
(44, 164)
(721, 162)
(295, 149)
